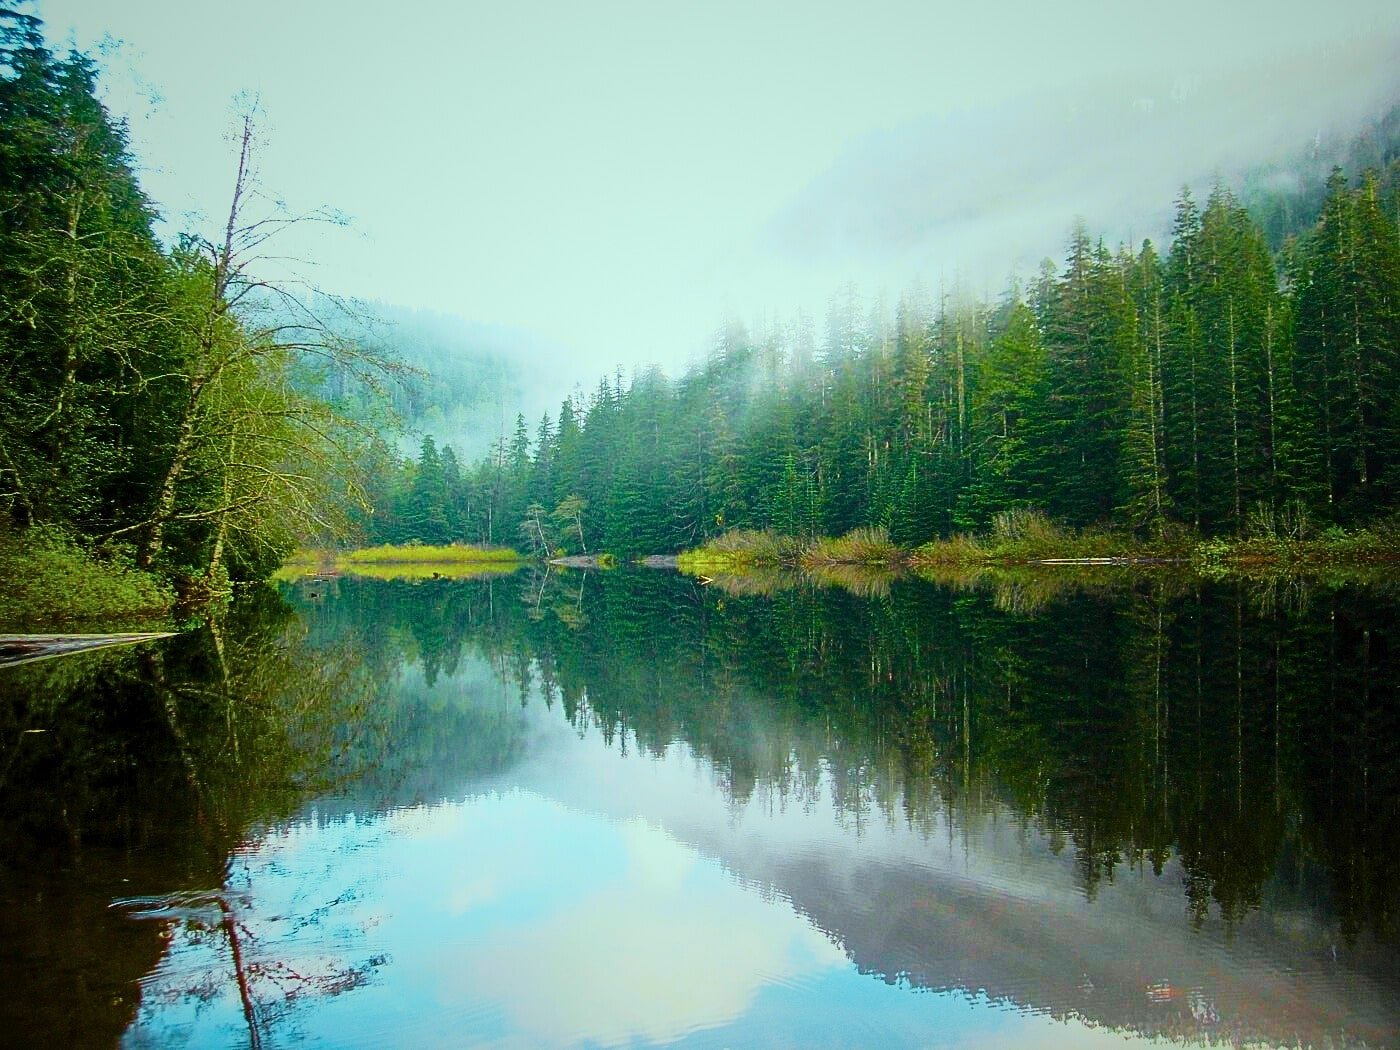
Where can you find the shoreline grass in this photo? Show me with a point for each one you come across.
(426, 554)
(739, 550)
(1026, 538)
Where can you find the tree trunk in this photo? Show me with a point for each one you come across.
(165, 502)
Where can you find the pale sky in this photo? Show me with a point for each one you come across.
(620, 177)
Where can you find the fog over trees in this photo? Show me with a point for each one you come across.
(1213, 384)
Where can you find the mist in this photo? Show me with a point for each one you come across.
(611, 184)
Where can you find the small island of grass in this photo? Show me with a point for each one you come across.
(404, 561)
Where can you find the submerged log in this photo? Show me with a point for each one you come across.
(23, 648)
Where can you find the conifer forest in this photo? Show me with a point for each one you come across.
(1217, 380)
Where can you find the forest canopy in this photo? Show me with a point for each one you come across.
(1207, 387)
(163, 406)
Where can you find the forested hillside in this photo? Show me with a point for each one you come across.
(469, 378)
(163, 406)
(1285, 197)
(1204, 386)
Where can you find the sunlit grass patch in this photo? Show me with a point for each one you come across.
(739, 549)
(426, 554)
(412, 561)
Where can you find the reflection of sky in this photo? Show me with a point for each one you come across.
(585, 896)
(510, 919)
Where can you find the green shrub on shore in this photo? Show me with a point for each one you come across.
(49, 581)
(1296, 546)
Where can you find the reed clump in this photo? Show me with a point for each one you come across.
(864, 546)
(738, 550)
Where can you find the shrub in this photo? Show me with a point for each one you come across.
(51, 581)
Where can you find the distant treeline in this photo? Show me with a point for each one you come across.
(1212, 387)
(155, 402)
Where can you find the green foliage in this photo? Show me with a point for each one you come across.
(157, 397)
(51, 581)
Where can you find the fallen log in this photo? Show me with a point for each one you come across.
(25, 648)
(1115, 560)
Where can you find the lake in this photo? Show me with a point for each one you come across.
(627, 808)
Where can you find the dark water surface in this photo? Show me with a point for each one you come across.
(626, 809)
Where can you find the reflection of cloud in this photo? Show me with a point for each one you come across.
(473, 894)
(672, 947)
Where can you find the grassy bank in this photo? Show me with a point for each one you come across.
(739, 550)
(47, 580)
(404, 561)
(424, 554)
(1027, 538)
(747, 549)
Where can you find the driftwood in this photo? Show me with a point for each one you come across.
(24, 648)
(576, 561)
(1117, 560)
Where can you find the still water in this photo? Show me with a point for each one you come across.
(625, 809)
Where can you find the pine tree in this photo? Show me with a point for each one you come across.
(1346, 286)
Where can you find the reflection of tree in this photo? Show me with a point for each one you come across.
(225, 926)
(145, 768)
(1132, 718)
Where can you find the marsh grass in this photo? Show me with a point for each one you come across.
(413, 561)
(1026, 536)
(739, 550)
(867, 546)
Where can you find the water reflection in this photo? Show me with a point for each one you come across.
(627, 808)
